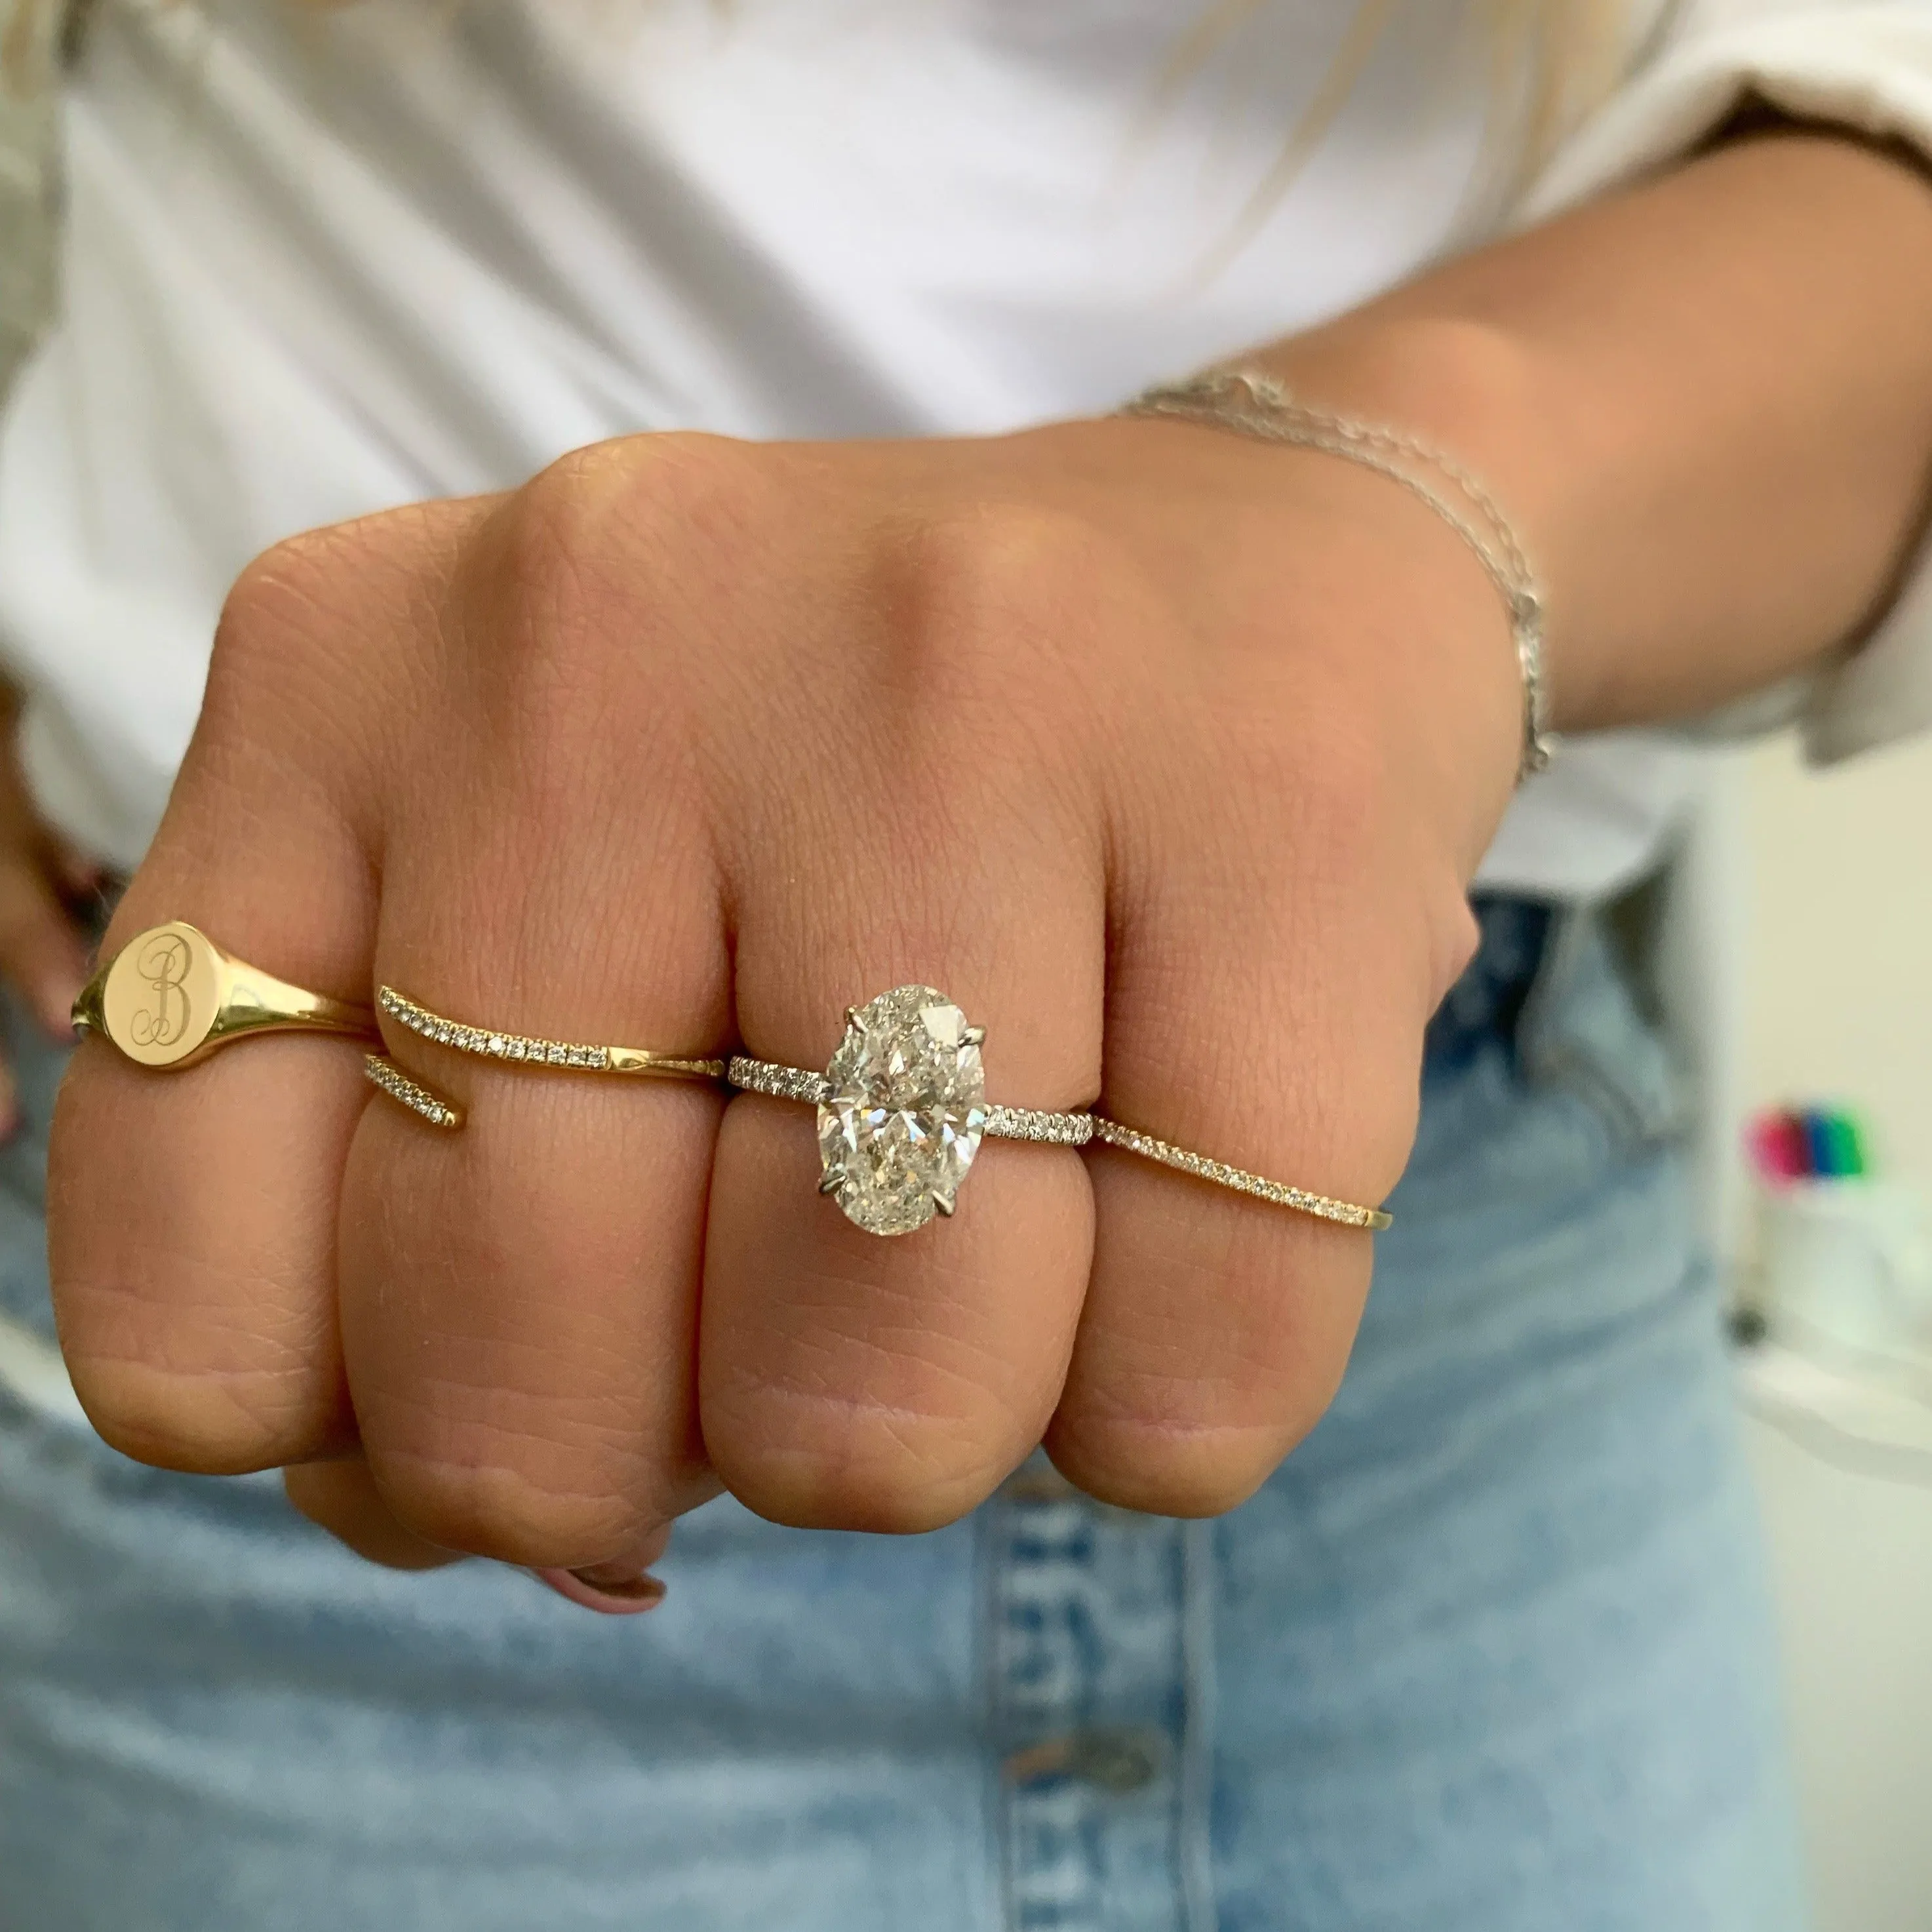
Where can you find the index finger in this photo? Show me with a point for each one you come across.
(192, 1214)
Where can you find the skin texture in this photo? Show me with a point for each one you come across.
(1169, 755)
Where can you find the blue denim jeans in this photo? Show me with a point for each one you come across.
(1488, 1653)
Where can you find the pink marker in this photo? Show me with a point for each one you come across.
(1780, 1149)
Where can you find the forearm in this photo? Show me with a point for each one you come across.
(1708, 403)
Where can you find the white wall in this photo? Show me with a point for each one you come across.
(1838, 973)
(1839, 981)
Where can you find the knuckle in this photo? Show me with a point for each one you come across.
(1019, 581)
(288, 684)
(506, 1509)
(568, 535)
(1164, 1468)
(551, 524)
(1179, 1419)
(687, 486)
(277, 592)
(285, 608)
(210, 1421)
(817, 1462)
(575, 588)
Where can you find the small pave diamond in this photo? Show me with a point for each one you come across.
(1027, 1123)
(398, 1084)
(781, 1083)
(1278, 1193)
(903, 1109)
(534, 1052)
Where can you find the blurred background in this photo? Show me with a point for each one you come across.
(1835, 961)
(1826, 915)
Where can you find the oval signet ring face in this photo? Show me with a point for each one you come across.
(171, 995)
(163, 995)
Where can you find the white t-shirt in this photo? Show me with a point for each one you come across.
(317, 264)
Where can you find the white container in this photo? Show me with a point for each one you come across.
(1845, 1268)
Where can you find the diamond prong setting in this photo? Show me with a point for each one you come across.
(902, 1110)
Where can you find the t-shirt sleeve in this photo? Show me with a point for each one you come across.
(1866, 67)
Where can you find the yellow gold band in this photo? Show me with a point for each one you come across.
(1280, 1193)
(171, 996)
(523, 1049)
(514, 1049)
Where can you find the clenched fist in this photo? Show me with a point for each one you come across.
(1167, 754)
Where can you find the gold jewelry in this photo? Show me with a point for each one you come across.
(902, 1109)
(517, 1048)
(383, 1071)
(1279, 1192)
(491, 1043)
(171, 996)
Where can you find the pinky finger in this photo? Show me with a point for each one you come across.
(341, 1497)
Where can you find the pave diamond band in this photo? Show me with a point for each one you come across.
(1001, 1123)
(492, 1043)
(384, 1072)
(1322, 1206)
(902, 1110)
(781, 1083)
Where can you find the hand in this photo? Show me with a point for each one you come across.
(1167, 754)
(47, 887)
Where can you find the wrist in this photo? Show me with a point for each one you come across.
(1485, 400)
(1344, 596)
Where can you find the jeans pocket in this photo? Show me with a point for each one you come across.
(1582, 1034)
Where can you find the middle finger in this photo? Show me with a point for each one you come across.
(849, 1380)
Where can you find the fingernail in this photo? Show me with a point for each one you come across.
(614, 1597)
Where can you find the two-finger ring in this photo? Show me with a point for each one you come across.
(514, 1049)
(902, 1107)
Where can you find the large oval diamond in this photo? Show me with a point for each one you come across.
(905, 1107)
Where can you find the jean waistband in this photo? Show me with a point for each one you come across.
(1487, 1002)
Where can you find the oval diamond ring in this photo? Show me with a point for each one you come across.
(902, 1109)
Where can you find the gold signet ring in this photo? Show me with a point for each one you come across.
(171, 996)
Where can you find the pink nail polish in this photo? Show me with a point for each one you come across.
(625, 1597)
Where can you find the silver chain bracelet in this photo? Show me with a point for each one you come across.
(1256, 404)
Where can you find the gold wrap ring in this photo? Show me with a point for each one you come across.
(514, 1049)
(171, 996)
